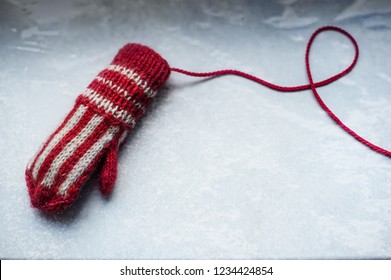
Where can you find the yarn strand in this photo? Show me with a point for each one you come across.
(311, 84)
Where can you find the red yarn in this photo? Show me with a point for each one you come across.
(311, 85)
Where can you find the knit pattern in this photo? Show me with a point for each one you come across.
(94, 129)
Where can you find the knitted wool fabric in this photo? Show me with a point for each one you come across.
(95, 127)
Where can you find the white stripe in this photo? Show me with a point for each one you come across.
(123, 136)
(69, 149)
(131, 74)
(119, 89)
(56, 139)
(109, 107)
(87, 158)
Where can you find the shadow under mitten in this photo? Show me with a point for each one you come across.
(94, 129)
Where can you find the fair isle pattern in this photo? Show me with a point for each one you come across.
(76, 117)
(87, 158)
(95, 128)
(69, 149)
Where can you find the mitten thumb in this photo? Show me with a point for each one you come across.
(108, 173)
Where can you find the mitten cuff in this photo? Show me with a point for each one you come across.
(123, 90)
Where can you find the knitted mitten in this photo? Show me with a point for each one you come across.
(95, 127)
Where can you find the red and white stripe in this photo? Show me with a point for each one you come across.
(87, 159)
(133, 76)
(95, 128)
(69, 149)
(70, 152)
(120, 90)
(99, 99)
(87, 144)
(110, 108)
(76, 117)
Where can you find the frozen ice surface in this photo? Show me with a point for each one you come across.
(222, 168)
(365, 8)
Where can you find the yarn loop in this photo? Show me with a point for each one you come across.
(311, 84)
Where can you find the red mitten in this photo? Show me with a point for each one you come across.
(95, 127)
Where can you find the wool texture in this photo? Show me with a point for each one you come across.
(94, 129)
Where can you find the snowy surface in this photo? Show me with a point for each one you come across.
(222, 168)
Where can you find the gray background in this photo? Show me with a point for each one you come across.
(223, 168)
